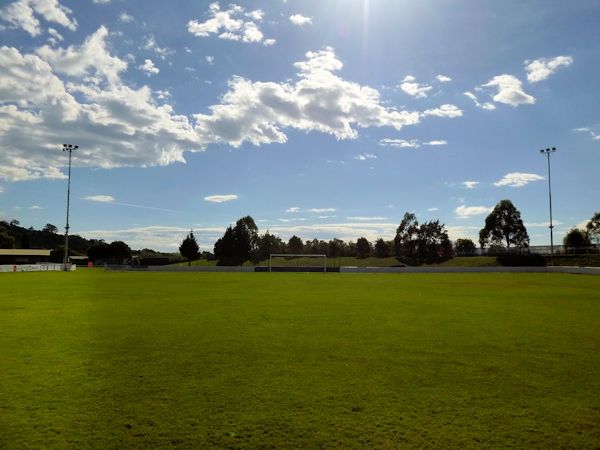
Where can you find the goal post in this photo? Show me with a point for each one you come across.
(309, 261)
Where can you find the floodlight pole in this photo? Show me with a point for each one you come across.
(68, 148)
(548, 152)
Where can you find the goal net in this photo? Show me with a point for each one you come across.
(284, 262)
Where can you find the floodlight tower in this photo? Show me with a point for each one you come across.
(548, 152)
(68, 148)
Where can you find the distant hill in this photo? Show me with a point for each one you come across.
(43, 239)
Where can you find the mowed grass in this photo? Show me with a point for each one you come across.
(98, 359)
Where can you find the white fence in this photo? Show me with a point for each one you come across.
(41, 267)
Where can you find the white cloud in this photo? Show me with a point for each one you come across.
(546, 224)
(443, 78)
(450, 111)
(100, 198)
(518, 179)
(114, 126)
(366, 218)
(149, 67)
(117, 126)
(102, 1)
(432, 209)
(56, 36)
(540, 69)
(414, 89)
(300, 20)
(256, 15)
(151, 45)
(35, 207)
(365, 156)
(470, 184)
(22, 14)
(594, 135)
(126, 18)
(229, 24)
(269, 42)
(487, 105)
(210, 59)
(466, 212)
(413, 143)
(509, 91)
(297, 209)
(322, 210)
(319, 101)
(91, 58)
(399, 143)
(221, 198)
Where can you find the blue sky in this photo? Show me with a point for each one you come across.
(324, 119)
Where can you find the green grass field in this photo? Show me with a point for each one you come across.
(97, 359)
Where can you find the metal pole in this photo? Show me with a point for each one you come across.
(69, 148)
(547, 152)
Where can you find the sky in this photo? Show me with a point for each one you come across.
(319, 118)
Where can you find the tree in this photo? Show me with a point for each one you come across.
(189, 248)
(119, 251)
(25, 240)
(382, 248)
(404, 242)
(464, 247)
(363, 247)
(432, 241)
(295, 245)
(504, 225)
(6, 240)
(575, 239)
(245, 235)
(225, 248)
(266, 244)
(334, 248)
(49, 228)
(98, 251)
(593, 228)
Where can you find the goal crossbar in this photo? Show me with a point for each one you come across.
(297, 255)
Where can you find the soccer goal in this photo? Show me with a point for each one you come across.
(284, 262)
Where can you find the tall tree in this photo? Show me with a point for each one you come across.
(245, 235)
(576, 239)
(432, 241)
(593, 228)
(6, 240)
(189, 248)
(266, 244)
(295, 245)
(405, 242)
(119, 251)
(504, 226)
(98, 251)
(382, 248)
(49, 228)
(225, 248)
(363, 247)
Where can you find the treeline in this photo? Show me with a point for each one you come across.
(414, 242)
(13, 235)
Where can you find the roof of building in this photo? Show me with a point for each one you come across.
(24, 252)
